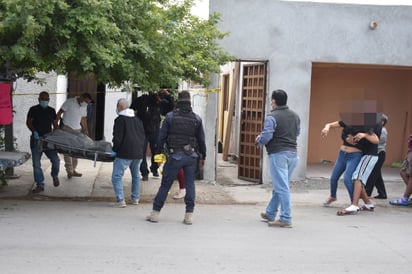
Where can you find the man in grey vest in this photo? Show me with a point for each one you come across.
(280, 130)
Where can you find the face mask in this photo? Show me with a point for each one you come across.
(44, 104)
(117, 112)
(83, 104)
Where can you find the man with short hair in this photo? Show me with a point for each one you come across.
(279, 135)
(41, 119)
(74, 120)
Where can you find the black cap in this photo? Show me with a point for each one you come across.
(184, 96)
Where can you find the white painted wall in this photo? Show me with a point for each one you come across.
(61, 95)
(292, 35)
(205, 105)
(112, 96)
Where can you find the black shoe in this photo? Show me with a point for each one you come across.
(56, 181)
(37, 190)
(380, 197)
(145, 178)
(155, 174)
(76, 174)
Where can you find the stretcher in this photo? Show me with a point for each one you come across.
(77, 145)
(9, 159)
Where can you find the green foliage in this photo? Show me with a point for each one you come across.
(147, 42)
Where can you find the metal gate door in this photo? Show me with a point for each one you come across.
(252, 116)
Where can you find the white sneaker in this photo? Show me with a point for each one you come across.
(121, 204)
(134, 201)
(180, 194)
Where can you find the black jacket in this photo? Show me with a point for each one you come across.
(150, 107)
(128, 136)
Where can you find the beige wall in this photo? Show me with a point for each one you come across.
(333, 85)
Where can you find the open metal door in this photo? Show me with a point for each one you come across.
(251, 123)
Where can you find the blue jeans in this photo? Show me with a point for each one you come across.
(151, 139)
(36, 161)
(282, 165)
(346, 162)
(119, 166)
(174, 163)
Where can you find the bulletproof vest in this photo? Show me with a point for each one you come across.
(182, 130)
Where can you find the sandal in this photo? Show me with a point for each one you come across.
(352, 209)
(329, 200)
(367, 207)
(400, 202)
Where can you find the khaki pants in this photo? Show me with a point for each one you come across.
(70, 163)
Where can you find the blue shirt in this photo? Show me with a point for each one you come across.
(269, 127)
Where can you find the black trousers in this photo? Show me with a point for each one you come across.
(375, 179)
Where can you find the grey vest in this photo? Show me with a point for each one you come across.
(286, 132)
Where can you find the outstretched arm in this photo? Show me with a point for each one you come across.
(328, 126)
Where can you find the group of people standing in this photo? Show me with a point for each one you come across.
(150, 108)
(181, 136)
(360, 159)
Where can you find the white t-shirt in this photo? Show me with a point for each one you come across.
(73, 113)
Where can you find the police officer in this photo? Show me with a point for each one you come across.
(182, 133)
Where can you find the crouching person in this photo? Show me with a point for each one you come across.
(128, 138)
(406, 175)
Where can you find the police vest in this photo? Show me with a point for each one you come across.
(182, 130)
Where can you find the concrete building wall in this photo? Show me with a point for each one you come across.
(292, 35)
